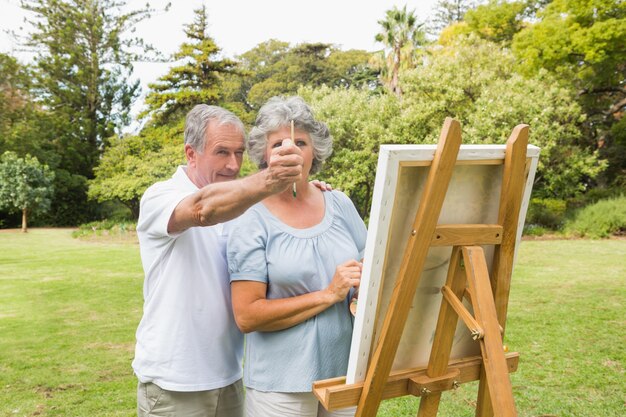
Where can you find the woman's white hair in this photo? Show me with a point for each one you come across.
(279, 112)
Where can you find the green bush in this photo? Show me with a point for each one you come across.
(104, 228)
(592, 196)
(599, 220)
(114, 210)
(546, 213)
(534, 230)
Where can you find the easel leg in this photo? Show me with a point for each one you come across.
(429, 405)
(494, 363)
(444, 333)
(513, 180)
(483, 403)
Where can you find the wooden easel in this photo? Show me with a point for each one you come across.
(468, 277)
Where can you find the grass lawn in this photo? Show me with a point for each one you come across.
(69, 310)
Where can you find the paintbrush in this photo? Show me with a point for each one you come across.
(293, 140)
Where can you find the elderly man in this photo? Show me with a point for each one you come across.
(189, 350)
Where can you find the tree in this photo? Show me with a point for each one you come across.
(582, 43)
(25, 185)
(498, 21)
(449, 12)
(14, 94)
(402, 34)
(303, 64)
(351, 69)
(133, 163)
(359, 121)
(83, 65)
(312, 64)
(197, 78)
(475, 81)
(82, 81)
(277, 68)
(24, 126)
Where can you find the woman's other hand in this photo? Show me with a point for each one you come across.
(347, 276)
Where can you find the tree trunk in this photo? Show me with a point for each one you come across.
(24, 229)
(395, 75)
(133, 205)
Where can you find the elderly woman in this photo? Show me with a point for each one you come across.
(293, 263)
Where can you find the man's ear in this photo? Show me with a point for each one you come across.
(190, 154)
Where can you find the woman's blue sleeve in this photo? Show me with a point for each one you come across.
(246, 249)
(353, 221)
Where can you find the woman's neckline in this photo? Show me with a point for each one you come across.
(310, 231)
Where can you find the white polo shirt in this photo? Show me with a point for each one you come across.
(187, 339)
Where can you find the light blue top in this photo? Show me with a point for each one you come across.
(294, 262)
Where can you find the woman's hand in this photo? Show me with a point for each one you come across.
(284, 167)
(347, 276)
(322, 185)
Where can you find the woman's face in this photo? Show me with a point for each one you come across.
(301, 139)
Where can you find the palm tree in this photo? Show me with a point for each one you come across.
(402, 35)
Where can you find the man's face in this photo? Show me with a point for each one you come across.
(221, 159)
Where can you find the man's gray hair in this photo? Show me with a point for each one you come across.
(279, 112)
(198, 120)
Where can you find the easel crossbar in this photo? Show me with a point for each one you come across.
(335, 393)
(467, 234)
(475, 329)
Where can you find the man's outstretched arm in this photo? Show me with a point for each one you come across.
(223, 201)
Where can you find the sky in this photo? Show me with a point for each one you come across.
(237, 25)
